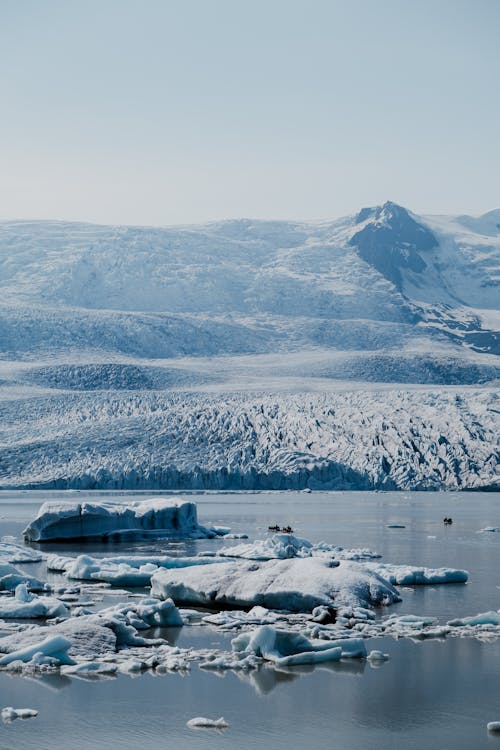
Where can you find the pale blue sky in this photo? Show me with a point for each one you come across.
(163, 111)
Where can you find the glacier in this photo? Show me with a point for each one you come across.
(355, 353)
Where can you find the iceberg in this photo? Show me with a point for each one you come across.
(15, 553)
(120, 570)
(286, 648)
(158, 517)
(10, 577)
(200, 722)
(11, 714)
(284, 546)
(413, 575)
(297, 584)
(52, 650)
(29, 606)
(484, 618)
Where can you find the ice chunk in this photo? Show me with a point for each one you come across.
(232, 661)
(157, 517)
(10, 577)
(200, 722)
(15, 553)
(11, 714)
(412, 575)
(88, 637)
(120, 570)
(52, 650)
(287, 648)
(297, 584)
(377, 656)
(29, 606)
(146, 613)
(276, 547)
(285, 546)
(493, 726)
(485, 618)
(90, 669)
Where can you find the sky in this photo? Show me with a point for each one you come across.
(183, 111)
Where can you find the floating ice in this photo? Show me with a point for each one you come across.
(11, 577)
(286, 546)
(297, 584)
(490, 529)
(11, 714)
(485, 618)
(413, 575)
(276, 547)
(157, 517)
(146, 613)
(200, 722)
(120, 570)
(51, 650)
(237, 662)
(493, 726)
(29, 606)
(90, 669)
(286, 648)
(15, 553)
(377, 656)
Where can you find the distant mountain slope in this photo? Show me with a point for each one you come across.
(243, 284)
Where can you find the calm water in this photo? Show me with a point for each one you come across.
(436, 694)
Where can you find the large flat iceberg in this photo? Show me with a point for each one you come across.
(296, 584)
(156, 517)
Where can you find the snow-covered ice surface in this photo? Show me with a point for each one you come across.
(298, 584)
(251, 354)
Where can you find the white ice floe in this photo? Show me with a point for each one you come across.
(485, 618)
(285, 546)
(286, 648)
(238, 662)
(90, 669)
(297, 584)
(120, 570)
(377, 656)
(157, 517)
(413, 575)
(50, 651)
(24, 605)
(16, 553)
(146, 613)
(493, 726)
(11, 714)
(489, 529)
(10, 577)
(200, 722)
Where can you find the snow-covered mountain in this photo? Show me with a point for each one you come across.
(102, 315)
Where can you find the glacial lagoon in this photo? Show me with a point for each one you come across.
(432, 693)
